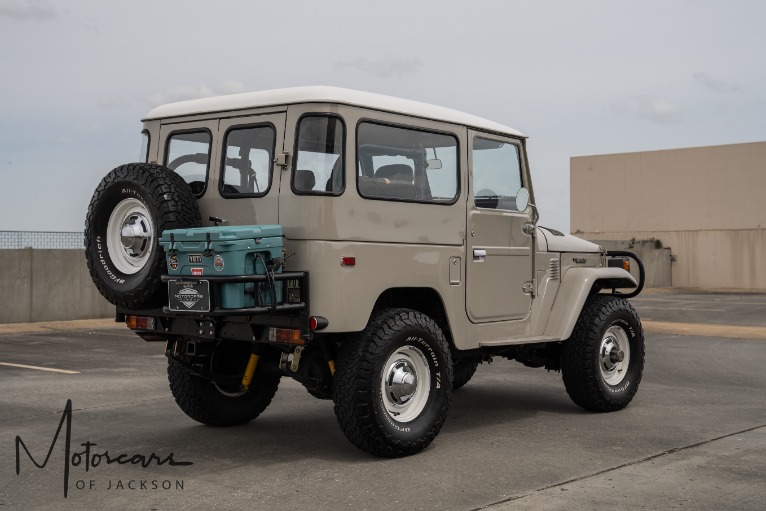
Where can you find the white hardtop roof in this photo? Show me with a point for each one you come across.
(323, 94)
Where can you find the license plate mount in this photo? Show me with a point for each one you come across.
(189, 295)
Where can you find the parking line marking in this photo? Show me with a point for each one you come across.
(38, 368)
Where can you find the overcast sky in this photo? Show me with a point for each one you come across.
(579, 78)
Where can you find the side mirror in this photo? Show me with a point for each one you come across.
(522, 199)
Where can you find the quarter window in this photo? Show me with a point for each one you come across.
(143, 156)
(406, 164)
(189, 155)
(249, 160)
(319, 158)
(496, 174)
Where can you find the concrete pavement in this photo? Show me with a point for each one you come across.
(694, 437)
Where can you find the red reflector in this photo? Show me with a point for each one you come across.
(318, 322)
(348, 261)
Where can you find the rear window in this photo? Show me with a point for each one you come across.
(188, 153)
(318, 166)
(248, 161)
(406, 164)
(143, 155)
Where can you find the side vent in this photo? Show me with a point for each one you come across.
(554, 269)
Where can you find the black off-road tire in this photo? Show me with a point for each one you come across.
(205, 402)
(393, 338)
(592, 380)
(463, 370)
(168, 203)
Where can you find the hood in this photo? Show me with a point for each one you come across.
(560, 242)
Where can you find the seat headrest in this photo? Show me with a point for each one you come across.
(397, 172)
(304, 180)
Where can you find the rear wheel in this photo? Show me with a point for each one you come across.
(603, 361)
(392, 386)
(222, 402)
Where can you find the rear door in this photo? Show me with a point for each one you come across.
(248, 179)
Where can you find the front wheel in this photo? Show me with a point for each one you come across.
(393, 383)
(603, 360)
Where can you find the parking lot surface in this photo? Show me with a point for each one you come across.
(694, 437)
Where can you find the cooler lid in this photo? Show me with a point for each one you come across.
(223, 233)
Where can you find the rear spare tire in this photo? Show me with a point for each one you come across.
(130, 208)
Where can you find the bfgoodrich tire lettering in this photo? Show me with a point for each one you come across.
(603, 361)
(393, 383)
(130, 208)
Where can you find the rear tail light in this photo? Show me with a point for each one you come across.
(286, 336)
(140, 322)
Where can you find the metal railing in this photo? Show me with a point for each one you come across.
(40, 239)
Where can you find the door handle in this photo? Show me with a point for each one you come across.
(479, 255)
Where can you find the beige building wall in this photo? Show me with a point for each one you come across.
(707, 204)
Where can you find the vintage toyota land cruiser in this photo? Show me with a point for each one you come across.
(374, 249)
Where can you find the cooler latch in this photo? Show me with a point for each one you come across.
(208, 246)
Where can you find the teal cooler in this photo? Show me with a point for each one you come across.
(227, 251)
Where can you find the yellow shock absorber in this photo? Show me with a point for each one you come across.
(331, 363)
(247, 379)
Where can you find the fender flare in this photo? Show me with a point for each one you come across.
(576, 286)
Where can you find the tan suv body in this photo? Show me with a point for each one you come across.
(390, 207)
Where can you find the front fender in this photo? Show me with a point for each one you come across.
(575, 287)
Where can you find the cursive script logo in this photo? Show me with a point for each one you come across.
(87, 456)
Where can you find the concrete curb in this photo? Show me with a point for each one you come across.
(58, 326)
(756, 333)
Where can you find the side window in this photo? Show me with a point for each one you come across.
(188, 153)
(406, 164)
(248, 161)
(143, 156)
(318, 165)
(496, 174)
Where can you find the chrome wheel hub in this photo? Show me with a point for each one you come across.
(405, 384)
(135, 234)
(401, 382)
(130, 236)
(614, 355)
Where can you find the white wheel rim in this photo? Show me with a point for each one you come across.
(405, 384)
(614, 355)
(130, 236)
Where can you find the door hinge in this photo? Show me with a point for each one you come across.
(282, 159)
(529, 229)
(529, 287)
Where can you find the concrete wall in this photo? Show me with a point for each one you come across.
(48, 285)
(705, 204)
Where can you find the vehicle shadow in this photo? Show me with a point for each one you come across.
(311, 431)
